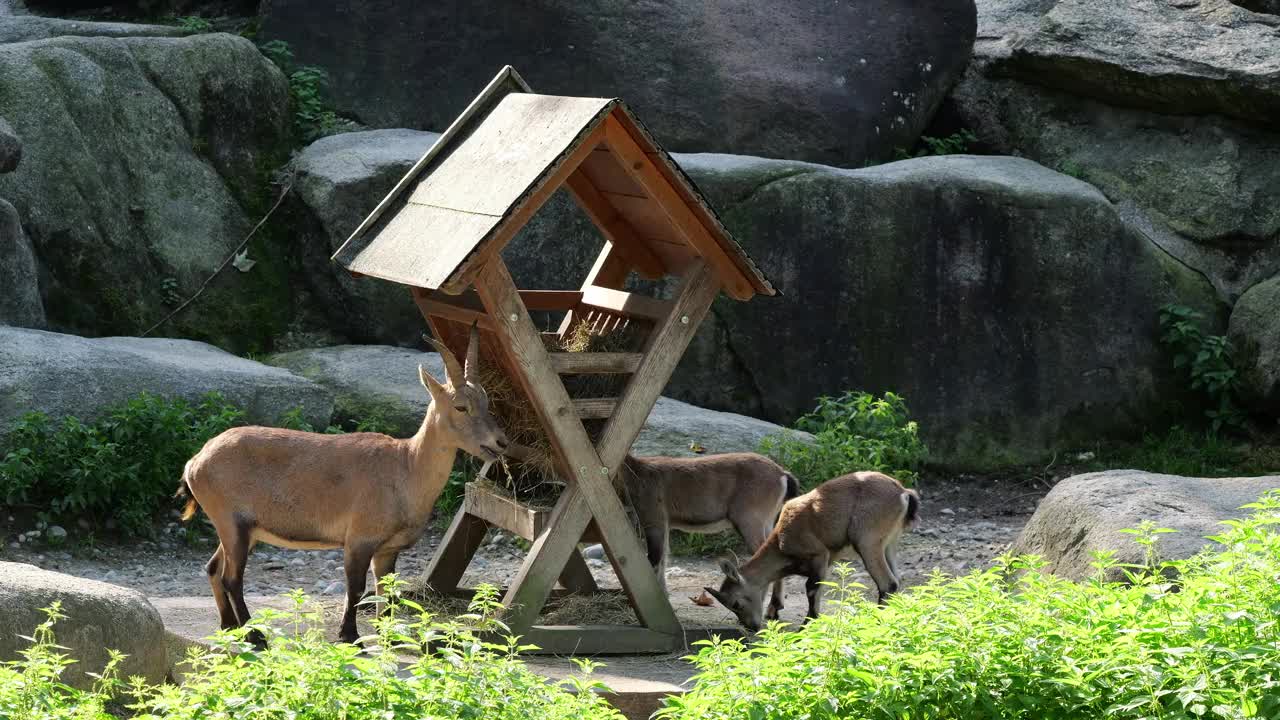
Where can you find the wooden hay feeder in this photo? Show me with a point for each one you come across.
(441, 232)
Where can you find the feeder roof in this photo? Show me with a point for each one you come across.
(473, 190)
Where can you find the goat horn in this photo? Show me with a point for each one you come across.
(453, 371)
(472, 369)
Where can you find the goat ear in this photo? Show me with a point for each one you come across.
(730, 570)
(431, 384)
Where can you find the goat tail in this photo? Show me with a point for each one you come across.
(184, 491)
(793, 486)
(911, 507)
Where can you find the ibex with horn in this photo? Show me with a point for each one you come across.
(366, 493)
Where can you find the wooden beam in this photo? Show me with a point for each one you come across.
(430, 303)
(615, 227)
(643, 171)
(625, 303)
(550, 300)
(504, 512)
(666, 346)
(584, 640)
(595, 408)
(460, 543)
(546, 560)
(591, 478)
(595, 363)
(609, 270)
(513, 223)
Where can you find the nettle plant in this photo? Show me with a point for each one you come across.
(855, 431)
(1207, 360)
(1011, 642)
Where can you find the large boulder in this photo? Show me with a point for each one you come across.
(843, 83)
(1255, 332)
(1087, 513)
(1167, 107)
(140, 157)
(20, 302)
(22, 28)
(376, 381)
(1008, 303)
(10, 147)
(67, 375)
(99, 617)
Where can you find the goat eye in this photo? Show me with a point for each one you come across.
(460, 408)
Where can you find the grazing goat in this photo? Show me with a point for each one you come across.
(865, 510)
(739, 491)
(366, 493)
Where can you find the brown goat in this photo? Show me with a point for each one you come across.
(366, 493)
(865, 511)
(707, 494)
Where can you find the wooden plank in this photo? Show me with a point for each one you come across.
(595, 408)
(524, 134)
(595, 363)
(433, 304)
(647, 219)
(608, 176)
(625, 303)
(546, 560)
(459, 545)
(643, 171)
(609, 270)
(599, 640)
(524, 209)
(566, 432)
(614, 227)
(666, 346)
(420, 245)
(550, 300)
(505, 512)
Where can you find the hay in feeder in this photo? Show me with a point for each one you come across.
(532, 477)
(606, 608)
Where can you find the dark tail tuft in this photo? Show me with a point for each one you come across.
(793, 486)
(184, 491)
(913, 509)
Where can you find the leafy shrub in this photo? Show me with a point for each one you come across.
(1011, 642)
(120, 467)
(953, 144)
(30, 688)
(313, 116)
(301, 675)
(1208, 362)
(856, 431)
(194, 24)
(1191, 452)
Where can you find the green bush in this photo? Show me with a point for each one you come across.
(856, 431)
(1011, 642)
(313, 115)
(1191, 452)
(302, 676)
(953, 144)
(121, 467)
(1208, 362)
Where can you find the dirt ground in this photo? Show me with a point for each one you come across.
(964, 524)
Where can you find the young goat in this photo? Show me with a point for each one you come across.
(740, 491)
(366, 493)
(866, 511)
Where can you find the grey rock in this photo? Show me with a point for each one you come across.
(674, 426)
(56, 534)
(20, 303)
(63, 375)
(10, 147)
(1205, 57)
(1254, 331)
(340, 179)
(593, 552)
(27, 28)
(837, 82)
(369, 381)
(166, 139)
(1086, 513)
(99, 617)
(1167, 107)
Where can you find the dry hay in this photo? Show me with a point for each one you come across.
(606, 608)
(532, 477)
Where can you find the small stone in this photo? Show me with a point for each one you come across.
(15, 546)
(594, 552)
(595, 562)
(333, 588)
(297, 562)
(56, 534)
(110, 575)
(928, 532)
(946, 511)
(273, 566)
